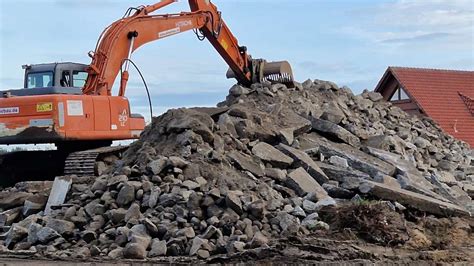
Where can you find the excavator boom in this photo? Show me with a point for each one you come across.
(123, 37)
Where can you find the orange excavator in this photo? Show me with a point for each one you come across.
(72, 106)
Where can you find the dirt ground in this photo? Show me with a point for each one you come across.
(365, 233)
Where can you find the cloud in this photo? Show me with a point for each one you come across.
(419, 38)
(413, 21)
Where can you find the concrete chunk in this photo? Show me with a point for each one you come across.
(335, 131)
(302, 183)
(61, 186)
(245, 163)
(412, 199)
(356, 158)
(268, 153)
(304, 160)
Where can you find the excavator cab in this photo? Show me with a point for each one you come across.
(55, 75)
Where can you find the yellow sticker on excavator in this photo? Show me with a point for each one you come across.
(224, 44)
(44, 107)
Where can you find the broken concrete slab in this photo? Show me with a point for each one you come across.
(34, 204)
(334, 131)
(34, 186)
(356, 158)
(302, 159)
(347, 177)
(412, 199)
(246, 163)
(61, 186)
(10, 200)
(268, 153)
(302, 183)
(9, 216)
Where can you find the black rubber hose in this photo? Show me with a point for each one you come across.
(144, 83)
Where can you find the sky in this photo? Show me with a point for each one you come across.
(350, 42)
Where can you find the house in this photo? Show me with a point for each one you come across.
(446, 96)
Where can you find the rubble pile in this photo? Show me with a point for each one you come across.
(263, 165)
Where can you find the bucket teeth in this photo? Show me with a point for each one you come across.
(278, 72)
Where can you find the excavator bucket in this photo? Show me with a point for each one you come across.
(279, 72)
(275, 72)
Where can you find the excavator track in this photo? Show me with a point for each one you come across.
(82, 163)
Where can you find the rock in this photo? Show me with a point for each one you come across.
(189, 119)
(238, 90)
(257, 209)
(133, 213)
(338, 161)
(209, 233)
(421, 142)
(116, 253)
(203, 254)
(298, 212)
(323, 203)
(245, 163)
(309, 206)
(191, 185)
(158, 248)
(45, 235)
(9, 200)
(126, 195)
(338, 192)
(33, 230)
(286, 136)
(196, 245)
(177, 162)
(375, 96)
(335, 131)
(303, 160)
(134, 251)
(275, 173)
(157, 166)
(117, 215)
(99, 185)
(288, 223)
(356, 158)
(138, 234)
(82, 253)
(232, 201)
(259, 240)
(446, 177)
(271, 155)
(15, 234)
(9, 216)
(188, 232)
(34, 204)
(201, 181)
(301, 182)
(235, 247)
(63, 227)
(89, 236)
(387, 180)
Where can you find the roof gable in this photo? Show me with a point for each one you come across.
(438, 93)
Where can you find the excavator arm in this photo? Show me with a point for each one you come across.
(123, 37)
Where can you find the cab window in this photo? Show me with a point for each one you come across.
(40, 80)
(79, 78)
(65, 79)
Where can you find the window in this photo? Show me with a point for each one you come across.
(399, 95)
(40, 80)
(65, 79)
(79, 78)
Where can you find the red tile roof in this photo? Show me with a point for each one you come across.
(444, 95)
